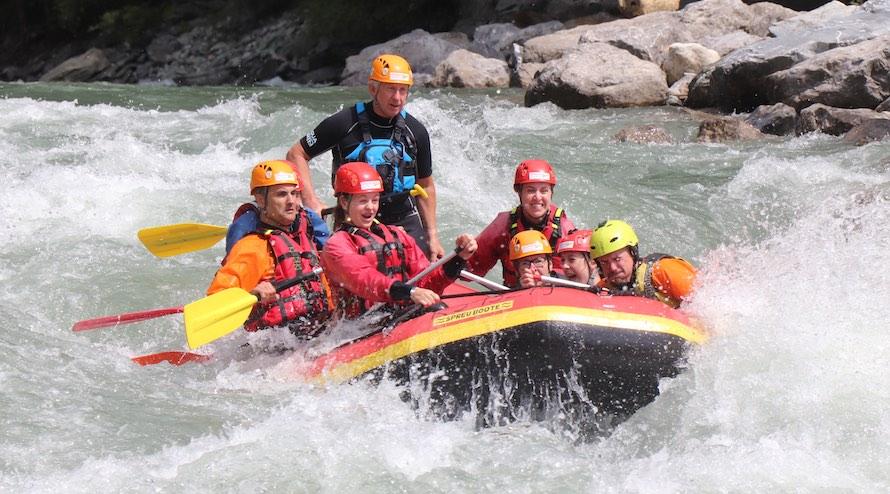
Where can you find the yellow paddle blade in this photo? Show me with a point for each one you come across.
(216, 316)
(172, 240)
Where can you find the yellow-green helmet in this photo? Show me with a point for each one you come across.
(611, 236)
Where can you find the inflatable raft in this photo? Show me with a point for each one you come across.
(533, 353)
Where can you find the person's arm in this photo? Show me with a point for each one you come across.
(299, 157)
(245, 266)
(427, 207)
(320, 140)
(492, 243)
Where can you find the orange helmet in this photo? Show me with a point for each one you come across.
(273, 172)
(357, 177)
(534, 171)
(528, 243)
(575, 241)
(392, 69)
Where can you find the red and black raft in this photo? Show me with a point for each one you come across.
(534, 353)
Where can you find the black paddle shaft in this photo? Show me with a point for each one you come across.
(284, 285)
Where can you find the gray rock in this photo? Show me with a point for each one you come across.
(767, 14)
(856, 76)
(525, 74)
(739, 78)
(643, 134)
(779, 119)
(81, 68)
(730, 42)
(885, 106)
(600, 76)
(687, 57)
(496, 40)
(811, 20)
(423, 51)
(875, 129)
(551, 46)
(726, 129)
(833, 121)
(464, 68)
(679, 90)
(162, 47)
(646, 37)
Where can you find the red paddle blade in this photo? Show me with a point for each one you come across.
(173, 357)
(104, 322)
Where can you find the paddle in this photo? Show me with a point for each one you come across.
(174, 357)
(482, 281)
(172, 240)
(566, 283)
(417, 190)
(219, 314)
(129, 317)
(419, 276)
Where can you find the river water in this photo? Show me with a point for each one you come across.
(791, 235)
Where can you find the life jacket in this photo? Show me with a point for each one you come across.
(642, 286)
(551, 230)
(305, 305)
(389, 257)
(237, 230)
(393, 157)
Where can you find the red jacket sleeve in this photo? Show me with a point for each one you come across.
(492, 245)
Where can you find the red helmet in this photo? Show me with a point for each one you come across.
(534, 171)
(357, 177)
(575, 241)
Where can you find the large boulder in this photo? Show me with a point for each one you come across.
(811, 20)
(766, 15)
(875, 129)
(496, 40)
(524, 75)
(856, 76)
(885, 106)
(464, 68)
(833, 121)
(729, 42)
(687, 57)
(81, 68)
(646, 37)
(600, 76)
(779, 119)
(424, 51)
(736, 82)
(551, 46)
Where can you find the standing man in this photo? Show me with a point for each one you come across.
(380, 132)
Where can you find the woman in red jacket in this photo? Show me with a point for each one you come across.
(533, 182)
(368, 262)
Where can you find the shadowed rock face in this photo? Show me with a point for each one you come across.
(875, 129)
(779, 119)
(833, 121)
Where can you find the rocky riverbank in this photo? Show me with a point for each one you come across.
(826, 70)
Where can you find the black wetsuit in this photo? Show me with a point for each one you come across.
(341, 134)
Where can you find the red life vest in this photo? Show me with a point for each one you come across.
(383, 247)
(551, 230)
(304, 306)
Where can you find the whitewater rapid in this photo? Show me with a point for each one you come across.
(790, 235)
